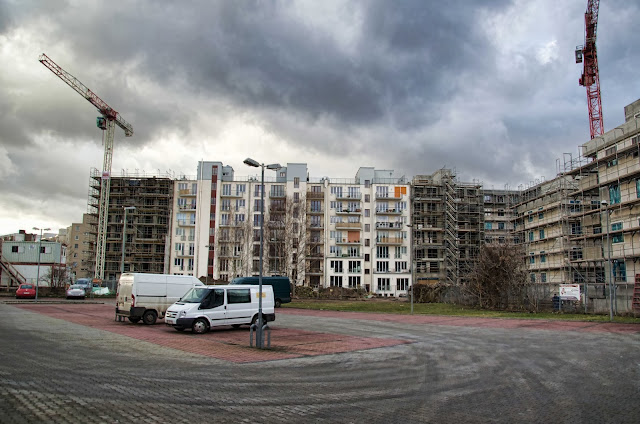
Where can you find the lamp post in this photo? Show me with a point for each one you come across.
(412, 265)
(124, 228)
(39, 249)
(606, 211)
(275, 167)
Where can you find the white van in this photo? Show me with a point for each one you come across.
(211, 306)
(146, 297)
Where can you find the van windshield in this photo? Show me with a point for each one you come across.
(195, 295)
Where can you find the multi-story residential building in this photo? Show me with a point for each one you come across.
(146, 230)
(183, 227)
(447, 225)
(499, 215)
(78, 240)
(547, 217)
(607, 176)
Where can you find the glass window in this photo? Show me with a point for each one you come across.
(239, 296)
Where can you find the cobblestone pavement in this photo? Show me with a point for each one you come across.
(446, 370)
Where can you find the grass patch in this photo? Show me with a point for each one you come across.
(403, 307)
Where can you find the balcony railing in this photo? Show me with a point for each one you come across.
(349, 225)
(389, 240)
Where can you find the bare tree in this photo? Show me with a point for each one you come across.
(56, 276)
(499, 279)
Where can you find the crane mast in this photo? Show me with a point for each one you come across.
(590, 75)
(107, 122)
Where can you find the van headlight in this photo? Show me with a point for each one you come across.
(183, 313)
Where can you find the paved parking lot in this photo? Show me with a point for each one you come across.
(74, 363)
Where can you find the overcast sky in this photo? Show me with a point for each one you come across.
(487, 88)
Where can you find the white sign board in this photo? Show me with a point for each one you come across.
(570, 291)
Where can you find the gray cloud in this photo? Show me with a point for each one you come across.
(483, 87)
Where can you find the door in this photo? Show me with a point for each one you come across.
(240, 309)
(214, 308)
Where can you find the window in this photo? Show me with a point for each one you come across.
(335, 281)
(401, 266)
(614, 194)
(402, 284)
(354, 281)
(14, 249)
(500, 225)
(619, 237)
(239, 296)
(619, 271)
(543, 256)
(384, 284)
(543, 277)
(296, 182)
(367, 198)
(541, 233)
(530, 235)
(336, 266)
(533, 277)
(382, 266)
(532, 259)
(488, 225)
(540, 215)
(382, 252)
(75, 246)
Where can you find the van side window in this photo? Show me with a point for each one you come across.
(213, 299)
(238, 296)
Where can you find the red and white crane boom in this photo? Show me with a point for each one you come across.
(590, 75)
(107, 122)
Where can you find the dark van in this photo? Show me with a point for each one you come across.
(281, 287)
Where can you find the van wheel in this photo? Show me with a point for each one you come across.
(278, 303)
(254, 320)
(134, 320)
(149, 317)
(200, 326)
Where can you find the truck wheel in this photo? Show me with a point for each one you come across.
(278, 303)
(134, 320)
(200, 326)
(149, 317)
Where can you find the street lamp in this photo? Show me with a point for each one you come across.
(124, 228)
(275, 167)
(606, 211)
(39, 249)
(412, 260)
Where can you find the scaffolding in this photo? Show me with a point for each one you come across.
(148, 227)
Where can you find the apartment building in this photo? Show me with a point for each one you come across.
(499, 215)
(607, 175)
(447, 225)
(144, 236)
(78, 240)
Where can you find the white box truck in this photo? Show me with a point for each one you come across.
(212, 306)
(146, 297)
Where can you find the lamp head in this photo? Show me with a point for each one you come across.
(603, 202)
(251, 162)
(274, 166)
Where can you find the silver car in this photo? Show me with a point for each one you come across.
(75, 291)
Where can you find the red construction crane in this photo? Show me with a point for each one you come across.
(590, 76)
(107, 122)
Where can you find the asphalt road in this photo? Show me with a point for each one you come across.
(56, 371)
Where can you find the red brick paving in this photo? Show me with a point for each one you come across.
(223, 343)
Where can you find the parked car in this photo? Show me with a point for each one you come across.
(26, 291)
(86, 284)
(75, 291)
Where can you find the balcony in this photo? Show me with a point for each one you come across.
(277, 195)
(357, 211)
(189, 207)
(354, 225)
(187, 193)
(394, 225)
(390, 196)
(318, 225)
(315, 195)
(315, 211)
(389, 211)
(390, 240)
(185, 222)
(349, 242)
(349, 196)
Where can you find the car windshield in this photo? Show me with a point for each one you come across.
(76, 286)
(195, 295)
(26, 286)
